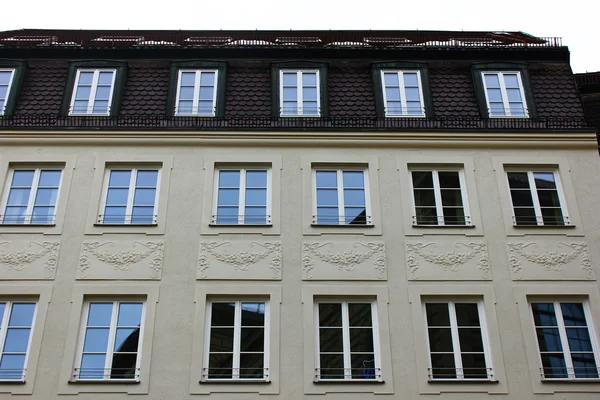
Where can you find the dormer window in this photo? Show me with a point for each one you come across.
(299, 93)
(6, 79)
(93, 92)
(402, 93)
(196, 92)
(504, 94)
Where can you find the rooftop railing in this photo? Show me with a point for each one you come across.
(350, 123)
(273, 39)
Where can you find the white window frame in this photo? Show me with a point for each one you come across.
(340, 194)
(93, 89)
(4, 319)
(438, 195)
(405, 113)
(346, 339)
(10, 83)
(299, 94)
(130, 194)
(33, 192)
(536, 202)
(507, 111)
(563, 338)
(242, 195)
(198, 75)
(237, 338)
(111, 339)
(456, 342)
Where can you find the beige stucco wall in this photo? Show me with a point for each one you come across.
(177, 274)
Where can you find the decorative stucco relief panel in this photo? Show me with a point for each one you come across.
(239, 259)
(447, 261)
(344, 261)
(122, 259)
(26, 259)
(545, 260)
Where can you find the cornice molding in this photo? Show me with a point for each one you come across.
(513, 140)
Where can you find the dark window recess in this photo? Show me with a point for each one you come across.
(422, 68)
(221, 84)
(12, 95)
(477, 69)
(119, 83)
(300, 65)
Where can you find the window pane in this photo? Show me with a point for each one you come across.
(467, 314)
(355, 215)
(96, 340)
(584, 365)
(449, 179)
(424, 197)
(470, 340)
(354, 179)
(437, 314)
(440, 340)
(253, 314)
(309, 79)
(543, 314)
(127, 340)
(359, 314)
(188, 78)
(22, 178)
(548, 198)
(525, 216)
(361, 340)
(549, 339)
(309, 94)
(42, 215)
(330, 314)
(412, 94)
(123, 366)
(221, 339)
(332, 366)
(554, 366)
(186, 93)
(330, 340)
(114, 215)
(103, 92)
(105, 78)
(290, 107)
(327, 197)
(11, 366)
(290, 93)
(579, 339)
(16, 340)
(497, 109)
(410, 79)
(521, 198)
(392, 93)
(185, 107)
(443, 366)
(18, 196)
(220, 366)
(514, 95)
(83, 92)
(255, 215)
(146, 178)
(491, 80)
(229, 179)
(46, 196)
(92, 366)
(354, 197)
(252, 339)
(206, 93)
(573, 314)
(414, 107)
(518, 180)
(510, 80)
(256, 197)
(391, 79)
(327, 179)
(86, 78)
(252, 366)
(422, 179)
(100, 107)
(228, 197)
(5, 77)
(130, 314)
(474, 366)
(256, 179)
(117, 196)
(99, 314)
(426, 216)
(119, 178)
(451, 197)
(207, 79)
(394, 108)
(144, 197)
(494, 95)
(363, 366)
(310, 108)
(328, 215)
(222, 314)
(454, 216)
(50, 178)
(227, 215)
(290, 79)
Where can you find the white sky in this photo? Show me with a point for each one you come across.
(576, 21)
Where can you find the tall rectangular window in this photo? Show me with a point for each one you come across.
(566, 346)
(299, 93)
(457, 341)
(504, 94)
(130, 196)
(16, 326)
(6, 79)
(537, 198)
(402, 93)
(196, 92)
(341, 197)
(110, 342)
(238, 340)
(242, 196)
(31, 196)
(439, 197)
(93, 92)
(347, 341)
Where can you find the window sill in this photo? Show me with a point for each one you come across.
(235, 381)
(466, 381)
(444, 226)
(105, 381)
(194, 116)
(350, 381)
(12, 381)
(406, 116)
(570, 226)
(508, 117)
(34, 225)
(572, 380)
(240, 225)
(125, 225)
(343, 226)
(299, 116)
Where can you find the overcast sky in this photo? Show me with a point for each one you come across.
(576, 21)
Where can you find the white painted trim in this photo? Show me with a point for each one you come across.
(4, 319)
(402, 89)
(507, 111)
(196, 97)
(93, 89)
(10, 83)
(299, 93)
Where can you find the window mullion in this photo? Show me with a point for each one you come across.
(340, 195)
(299, 93)
(131, 195)
(35, 183)
(504, 94)
(464, 197)
(460, 374)
(437, 193)
(402, 91)
(484, 339)
(346, 341)
(93, 90)
(4, 325)
(534, 195)
(564, 341)
(242, 197)
(112, 333)
(195, 106)
(237, 335)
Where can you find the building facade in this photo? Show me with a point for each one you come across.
(296, 215)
